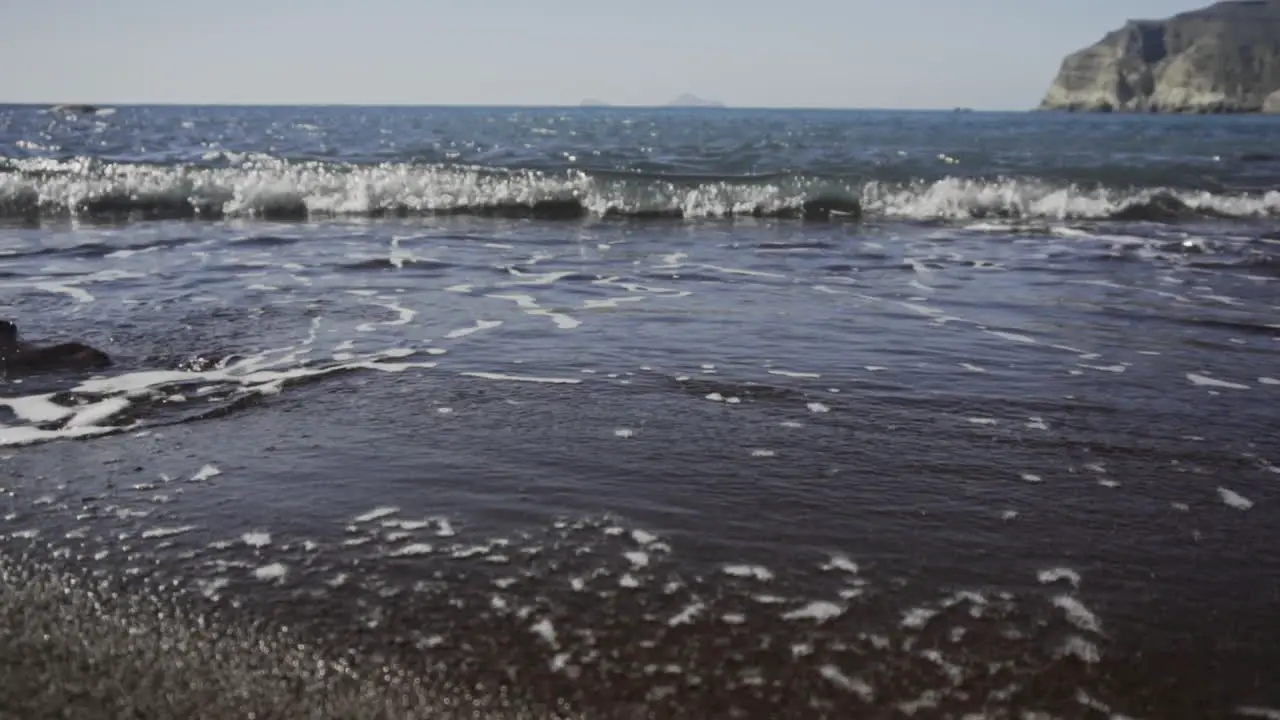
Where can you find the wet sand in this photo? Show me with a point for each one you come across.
(544, 604)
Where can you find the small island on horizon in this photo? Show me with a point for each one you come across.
(687, 100)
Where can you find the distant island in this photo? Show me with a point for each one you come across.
(687, 100)
(74, 109)
(1224, 58)
(684, 101)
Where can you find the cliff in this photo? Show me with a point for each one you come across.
(1221, 58)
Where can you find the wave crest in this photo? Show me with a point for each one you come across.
(276, 189)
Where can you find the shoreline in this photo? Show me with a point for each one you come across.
(71, 648)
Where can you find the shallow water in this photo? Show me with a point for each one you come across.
(1006, 443)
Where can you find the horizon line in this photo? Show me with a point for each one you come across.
(548, 106)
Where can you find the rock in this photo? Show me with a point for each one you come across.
(1272, 103)
(18, 357)
(1221, 58)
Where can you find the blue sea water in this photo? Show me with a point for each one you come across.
(688, 412)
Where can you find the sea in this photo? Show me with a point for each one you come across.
(640, 413)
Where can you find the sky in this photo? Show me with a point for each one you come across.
(904, 54)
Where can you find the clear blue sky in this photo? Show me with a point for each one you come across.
(986, 54)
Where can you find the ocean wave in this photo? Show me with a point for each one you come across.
(269, 188)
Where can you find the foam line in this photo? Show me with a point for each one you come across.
(114, 395)
(521, 378)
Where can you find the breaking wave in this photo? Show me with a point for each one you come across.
(271, 188)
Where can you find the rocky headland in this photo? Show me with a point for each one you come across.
(1224, 58)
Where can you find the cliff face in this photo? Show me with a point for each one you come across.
(1222, 58)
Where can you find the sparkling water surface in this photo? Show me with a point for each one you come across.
(651, 413)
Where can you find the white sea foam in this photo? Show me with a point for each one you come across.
(917, 618)
(480, 325)
(757, 572)
(1105, 368)
(1081, 649)
(687, 615)
(819, 611)
(1234, 499)
(252, 183)
(1206, 381)
(263, 373)
(1053, 575)
(164, 532)
(211, 587)
(530, 306)
(92, 414)
(1012, 337)
(842, 563)
(739, 271)
(412, 550)
(79, 294)
(522, 378)
(607, 303)
(206, 472)
(376, 514)
(273, 571)
(795, 374)
(525, 278)
(1077, 614)
(256, 539)
(854, 685)
(37, 408)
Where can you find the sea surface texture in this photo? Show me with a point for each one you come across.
(627, 413)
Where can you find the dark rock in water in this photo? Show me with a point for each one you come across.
(17, 357)
(1221, 58)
